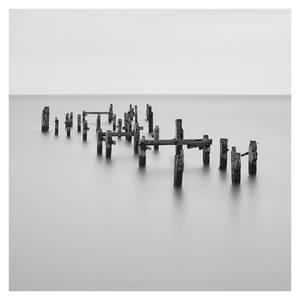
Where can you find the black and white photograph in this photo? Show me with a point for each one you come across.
(149, 150)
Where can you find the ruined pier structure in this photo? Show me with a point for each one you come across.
(178, 142)
(132, 129)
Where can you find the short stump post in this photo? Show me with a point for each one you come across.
(252, 163)
(235, 166)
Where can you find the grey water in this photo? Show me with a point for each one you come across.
(81, 222)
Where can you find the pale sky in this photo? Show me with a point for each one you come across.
(149, 52)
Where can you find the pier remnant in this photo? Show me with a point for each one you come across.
(56, 126)
(223, 153)
(45, 119)
(85, 130)
(79, 123)
(108, 144)
(68, 126)
(110, 113)
(235, 166)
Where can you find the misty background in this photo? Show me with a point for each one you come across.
(150, 52)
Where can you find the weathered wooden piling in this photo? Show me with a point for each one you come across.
(108, 144)
(56, 126)
(99, 141)
(147, 112)
(150, 120)
(79, 123)
(110, 113)
(128, 127)
(206, 151)
(68, 126)
(119, 128)
(178, 135)
(178, 169)
(114, 122)
(136, 114)
(142, 152)
(67, 119)
(71, 119)
(252, 158)
(85, 130)
(131, 112)
(223, 153)
(45, 119)
(156, 137)
(98, 122)
(235, 166)
(136, 132)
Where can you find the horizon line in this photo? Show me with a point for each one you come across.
(144, 95)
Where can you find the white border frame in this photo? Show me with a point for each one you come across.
(160, 4)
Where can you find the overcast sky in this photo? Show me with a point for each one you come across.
(149, 52)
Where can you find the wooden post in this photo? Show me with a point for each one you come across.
(131, 112)
(136, 132)
(45, 119)
(78, 123)
(114, 122)
(67, 119)
(68, 126)
(178, 169)
(108, 144)
(178, 135)
(235, 166)
(127, 126)
(147, 112)
(119, 128)
(206, 151)
(252, 158)
(85, 130)
(135, 114)
(110, 113)
(99, 141)
(56, 126)
(98, 122)
(223, 153)
(71, 119)
(150, 120)
(142, 152)
(156, 137)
